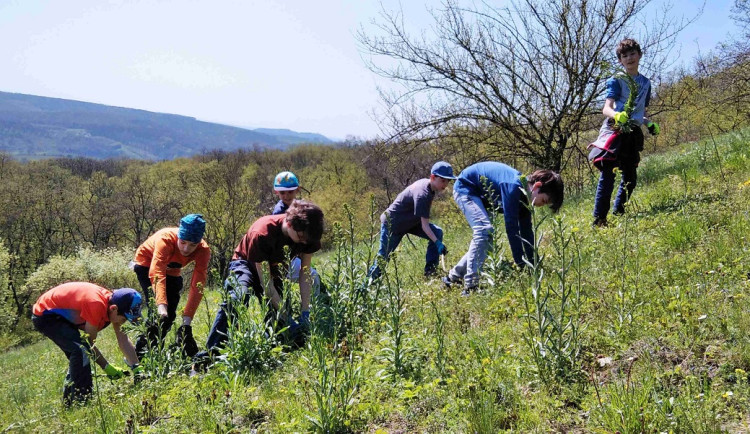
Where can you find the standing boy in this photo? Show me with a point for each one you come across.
(286, 186)
(300, 228)
(410, 214)
(620, 138)
(158, 264)
(500, 187)
(63, 311)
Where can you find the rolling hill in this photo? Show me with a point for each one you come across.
(33, 127)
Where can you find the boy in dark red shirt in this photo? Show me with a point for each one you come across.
(63, 311)
(300, 228)
(158, 264)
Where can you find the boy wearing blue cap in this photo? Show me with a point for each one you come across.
(158, 264)
(63, 311)
(410, 214)
(286, 186)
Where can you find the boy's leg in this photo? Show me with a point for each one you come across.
(66, 336)
(174, 286)
(141, 273)
(432, 257)
(481, 226)
(237, 284)
(627, 185)
(604, 192)
(388, 243)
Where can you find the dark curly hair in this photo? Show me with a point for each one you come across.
(626, 45)
(306, 217)
(552, 185)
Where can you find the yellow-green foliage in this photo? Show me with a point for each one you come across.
(108, 268)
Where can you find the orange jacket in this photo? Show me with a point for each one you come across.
(159, 251)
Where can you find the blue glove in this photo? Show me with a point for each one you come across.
(442, 250)
(304, 319)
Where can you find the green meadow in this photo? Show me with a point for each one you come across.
(642, 326)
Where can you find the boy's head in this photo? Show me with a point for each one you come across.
(629, 55)
(286, 187)
(441, 175)
(306, 220)
(547, 189)
(128, 302)
(627, 45)
(190, 233)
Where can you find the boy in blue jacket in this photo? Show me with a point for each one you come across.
(497, 186)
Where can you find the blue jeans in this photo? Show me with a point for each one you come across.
(606, 185)
(78, 380)
(390, 240)
(470, 265)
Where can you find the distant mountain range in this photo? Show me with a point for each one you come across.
(33, 127)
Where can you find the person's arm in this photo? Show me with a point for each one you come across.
(197, 285)
(91, 332)
(127, 348)
(609, 108)
(511, 199)
(271, 292)
(427, 230)
(157, 273)
(305, 281)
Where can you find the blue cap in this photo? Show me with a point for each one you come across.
(443, 169)
(128, 302)
(285, 181)
(192, 228)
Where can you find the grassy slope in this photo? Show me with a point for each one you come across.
(664, 295)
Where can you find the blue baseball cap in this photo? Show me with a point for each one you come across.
(128, 302)
(192, 228)
(285, 181)
(443, 169)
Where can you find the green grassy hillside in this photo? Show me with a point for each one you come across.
(643, 326)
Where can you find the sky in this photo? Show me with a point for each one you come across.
(273, 64)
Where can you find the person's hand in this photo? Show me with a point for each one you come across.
(621, 118)
(185, 340)
(137, 370)
(442, 250)
(304, 319)
(114, 373)
(162, 309)
(653, 128)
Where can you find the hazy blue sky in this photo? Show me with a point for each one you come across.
(277, 64)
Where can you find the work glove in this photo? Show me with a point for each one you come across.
(621, 118)
(185, 340)
(653, 128)
(115, 373)
(442, 250)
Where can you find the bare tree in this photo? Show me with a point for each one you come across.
(523, 80)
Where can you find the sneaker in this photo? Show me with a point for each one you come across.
(618, 211)
(469, 290)
(448, 281)
(599, 222)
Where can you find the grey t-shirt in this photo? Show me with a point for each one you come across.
(409, 207)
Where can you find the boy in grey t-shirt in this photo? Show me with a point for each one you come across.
(410, 214)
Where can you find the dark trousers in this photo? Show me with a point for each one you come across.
(158, 327)
(628, 157)
(237, 285)
(78, 382)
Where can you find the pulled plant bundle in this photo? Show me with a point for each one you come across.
(630, 103)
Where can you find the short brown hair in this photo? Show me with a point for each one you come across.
(306, 217)
(552, 185)
(626, 45)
